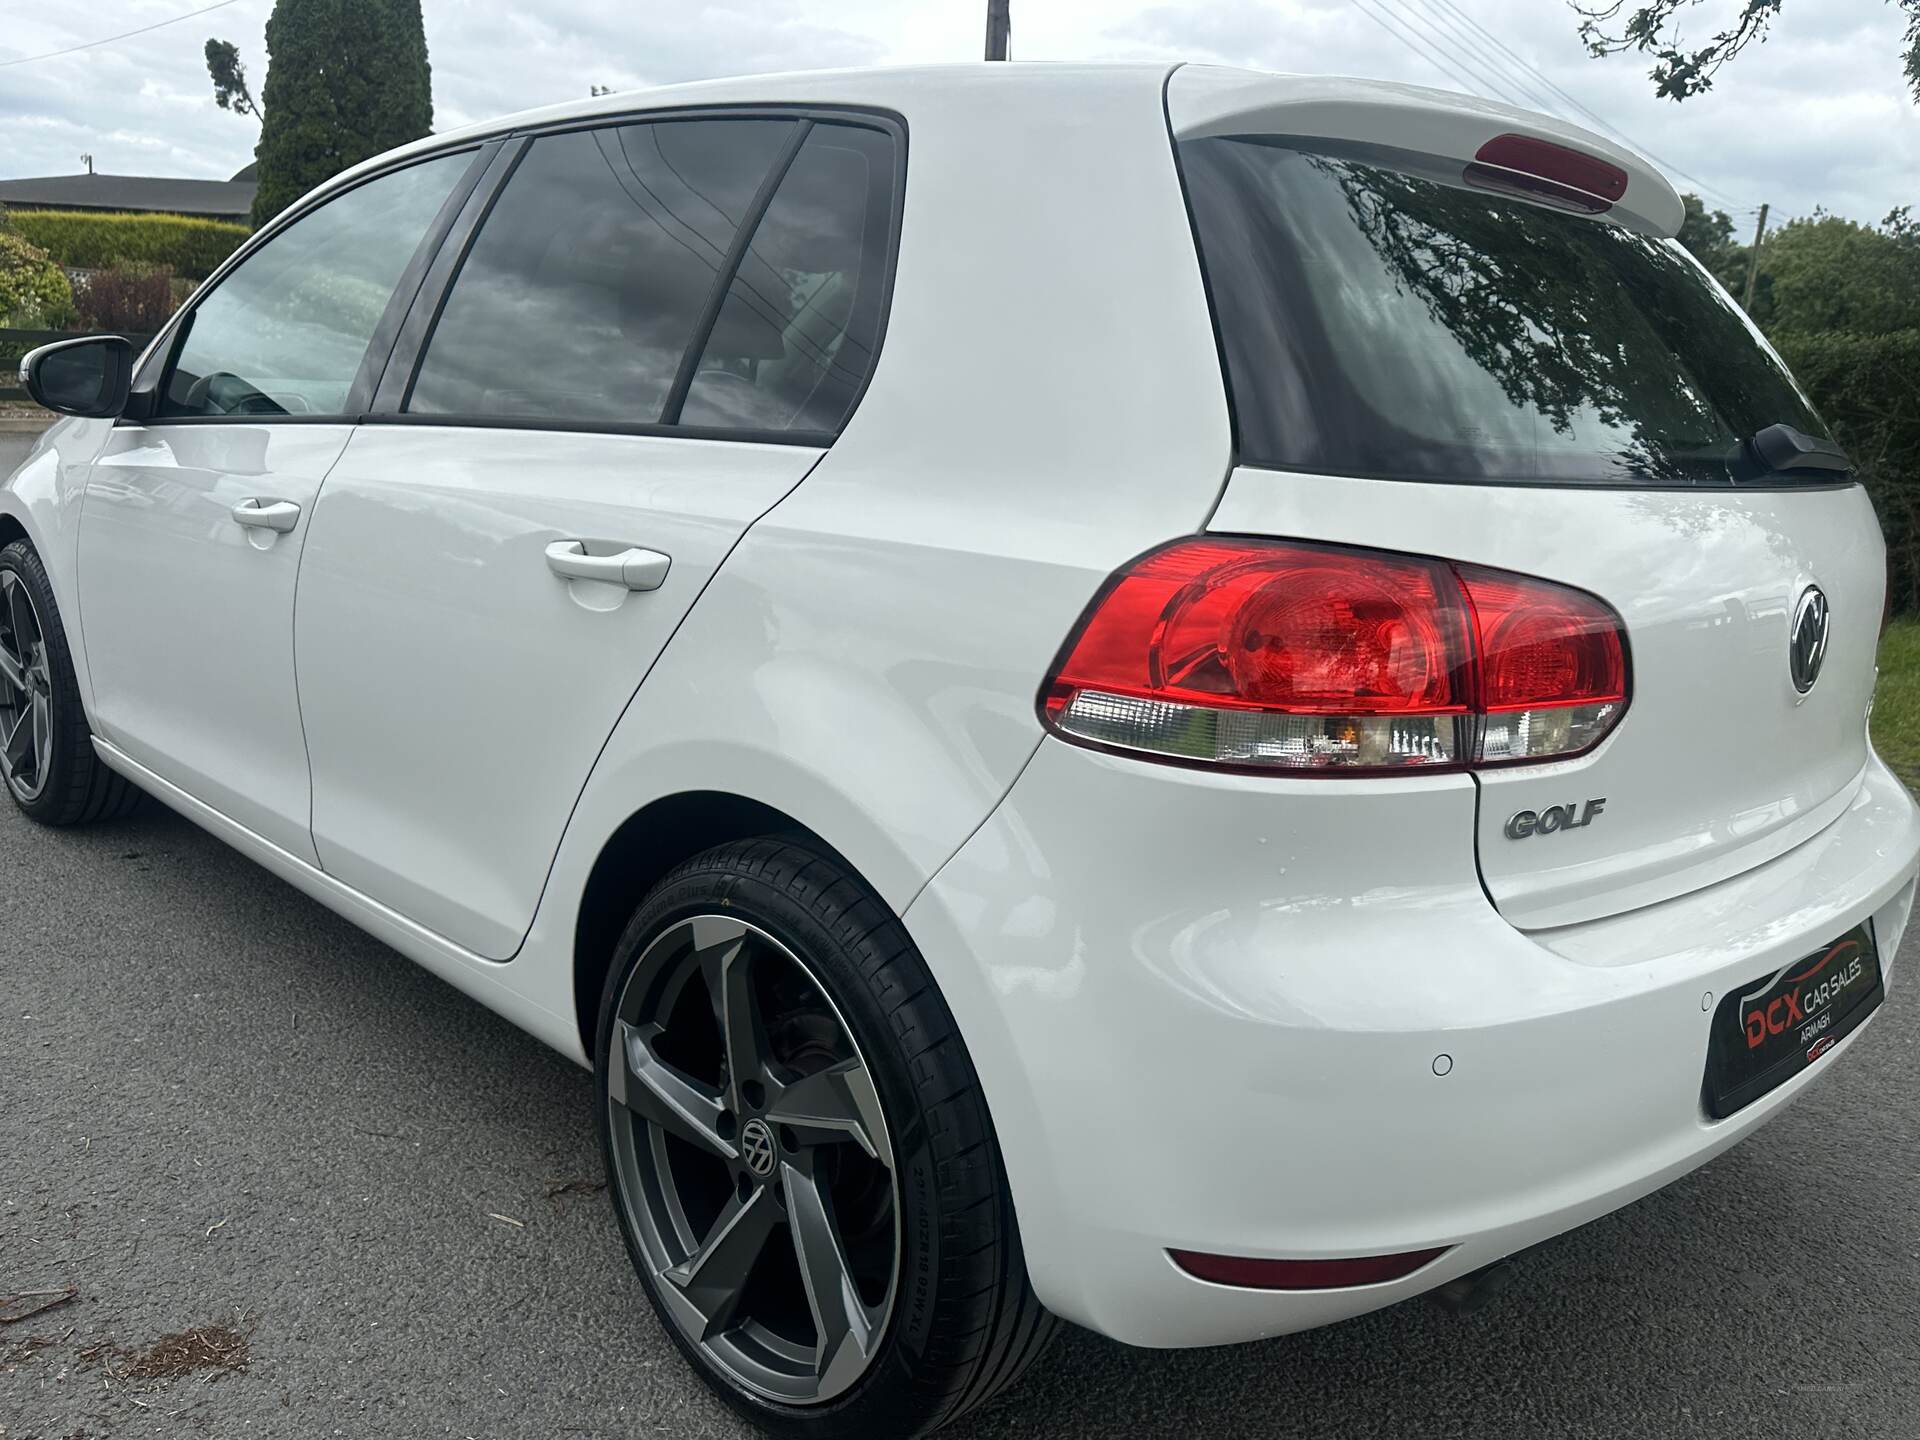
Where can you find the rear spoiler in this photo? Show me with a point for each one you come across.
(1498, 147)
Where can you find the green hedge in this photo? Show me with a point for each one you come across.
(1867, 387)
(14, 344)
(82, 241)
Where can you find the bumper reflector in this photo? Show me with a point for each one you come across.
(1302, 1274)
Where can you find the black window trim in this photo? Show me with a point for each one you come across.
(1236, 459)
(422, 289)
(387, 407)
(728, 271)
(402, 365)
(155, 370)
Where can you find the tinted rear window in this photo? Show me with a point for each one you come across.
(587, 280)
(1379, 321)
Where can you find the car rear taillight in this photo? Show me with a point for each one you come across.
(1552, 666)
(1537, 169)
(1275, 655)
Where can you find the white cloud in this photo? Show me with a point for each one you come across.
(1820, 115)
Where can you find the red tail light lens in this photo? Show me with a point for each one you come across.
(1271, 655)
(1553, 668)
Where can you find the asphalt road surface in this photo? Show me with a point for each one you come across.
(303, 1189)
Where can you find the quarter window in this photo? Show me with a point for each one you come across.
(586, 283)
(285, 331)
(797, 332)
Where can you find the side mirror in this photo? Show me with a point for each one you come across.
(89, 376)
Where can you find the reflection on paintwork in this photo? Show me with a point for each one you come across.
(187, 616)
(426, 566)
(1719, 763)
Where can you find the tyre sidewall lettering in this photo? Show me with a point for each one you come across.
(917, 1300)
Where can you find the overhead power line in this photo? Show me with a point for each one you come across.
(1415, 47)
(123, 35)
(1523, 75)
(1468, 59)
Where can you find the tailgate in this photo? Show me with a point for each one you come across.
(1720, 762)
(1459, 330)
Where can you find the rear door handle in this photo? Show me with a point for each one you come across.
(281, 515)
(636, 569)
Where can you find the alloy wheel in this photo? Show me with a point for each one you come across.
(753, 1161)
(26, 692)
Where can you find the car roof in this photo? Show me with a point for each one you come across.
(906, 89)
(1208, 95)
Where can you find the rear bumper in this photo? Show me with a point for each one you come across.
(1209, 1015)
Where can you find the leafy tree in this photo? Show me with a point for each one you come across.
(1709, 235)
(1652, 27)
(1867, 388)
(230, 90)
(1841, 302)
(346, 79)
(1823, 274)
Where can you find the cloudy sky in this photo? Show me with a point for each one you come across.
(1819, 116)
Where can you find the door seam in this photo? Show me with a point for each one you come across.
(539, 900)
(293, 638)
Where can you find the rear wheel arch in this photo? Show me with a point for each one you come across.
(648, 845)
(969, 1323)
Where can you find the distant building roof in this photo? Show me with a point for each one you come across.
(216, 199)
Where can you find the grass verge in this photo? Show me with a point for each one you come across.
(1896, 703)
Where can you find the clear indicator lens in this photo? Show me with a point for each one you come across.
(1261, 737)
(1544, 733)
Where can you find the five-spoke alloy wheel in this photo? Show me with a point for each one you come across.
(754, 1160)
(26, 692)
(800, 1155)
(46, 749)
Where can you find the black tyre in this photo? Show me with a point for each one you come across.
(800, 1155)
(46, 750)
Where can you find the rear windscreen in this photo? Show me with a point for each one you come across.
(1378, 321)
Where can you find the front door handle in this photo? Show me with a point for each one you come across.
(281, 515)
(636, 569)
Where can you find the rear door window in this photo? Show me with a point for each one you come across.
(584, 286)
(1379, 317)
(796, 334)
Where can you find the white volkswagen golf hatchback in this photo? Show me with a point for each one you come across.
(1194, 701)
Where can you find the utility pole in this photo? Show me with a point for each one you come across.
(999, 29)
(1753, 260)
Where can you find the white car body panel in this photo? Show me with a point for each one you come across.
(426, 582)
(1207, 100)
(803, 677)
(43, 498)
(1264, 978)
(1259, 973)
(1719, 764)
(188, 615)
(499, 987)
